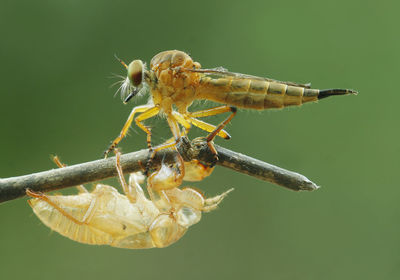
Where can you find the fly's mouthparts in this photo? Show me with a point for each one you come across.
(130, 95)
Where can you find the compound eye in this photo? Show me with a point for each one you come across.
(135, 72)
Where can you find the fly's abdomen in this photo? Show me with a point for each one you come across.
(260, 94)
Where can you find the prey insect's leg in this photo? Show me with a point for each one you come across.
(58, 162)
(86, 218)
(218, 129)
(212, 202)
(188, 120)
(125, 187)
(138, 109)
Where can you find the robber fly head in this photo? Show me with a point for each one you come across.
(133, 83)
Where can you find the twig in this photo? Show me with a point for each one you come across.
(12, 188)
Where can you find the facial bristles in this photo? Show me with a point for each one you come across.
(126, 88)
(132, 85)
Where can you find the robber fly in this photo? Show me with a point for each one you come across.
(175, 79)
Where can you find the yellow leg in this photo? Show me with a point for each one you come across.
(188, 120)
(182, 121)
(211, 111)
(212, 135)
(218, 129)
(174, 126)
(139, 109)
(144, 116)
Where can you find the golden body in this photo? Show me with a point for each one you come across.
(179, 81)
(132, 221)
(174, 79)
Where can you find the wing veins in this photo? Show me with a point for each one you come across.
(224, 72)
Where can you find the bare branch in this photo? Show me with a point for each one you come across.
(12, 188)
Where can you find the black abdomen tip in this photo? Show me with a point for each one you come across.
(329, 92)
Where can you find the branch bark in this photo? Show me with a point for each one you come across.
(14, 187)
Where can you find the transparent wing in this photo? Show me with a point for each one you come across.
(221, 72)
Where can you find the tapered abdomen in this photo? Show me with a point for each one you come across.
(66, 227)
(259, 94)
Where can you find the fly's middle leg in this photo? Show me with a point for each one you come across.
(174, 126)
(188, 120)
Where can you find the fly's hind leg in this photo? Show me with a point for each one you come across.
(86, 218)
(220, 127)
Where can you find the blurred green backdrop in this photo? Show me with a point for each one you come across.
(56, 63)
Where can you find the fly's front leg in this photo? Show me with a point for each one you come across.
(139, 109)
(144, 116)
(219, 128)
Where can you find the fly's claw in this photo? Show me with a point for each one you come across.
(214, 160)
(110, 149)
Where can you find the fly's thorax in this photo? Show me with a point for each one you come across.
(171, 59)
(173, 81)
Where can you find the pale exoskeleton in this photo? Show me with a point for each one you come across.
(106, 217)
(175, 80)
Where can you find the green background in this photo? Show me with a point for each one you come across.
(55, 97)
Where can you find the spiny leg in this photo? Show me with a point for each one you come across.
(212, 135)
(86, 218)
(144, 116)
(174, 126)
(125, 128)
(58, 162)
(212, 112)
(187, 120)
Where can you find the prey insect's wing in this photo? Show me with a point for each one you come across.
(221, 72)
